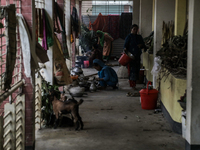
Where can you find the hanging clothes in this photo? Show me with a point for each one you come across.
(9, 14)
(101, 23)
(75, 22)
(47, 40)
(61, 27)
(125, 25)
(114, 25)
(44, 40)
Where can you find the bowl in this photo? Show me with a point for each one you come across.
(74, 77)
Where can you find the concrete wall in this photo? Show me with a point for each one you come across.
(145, 21)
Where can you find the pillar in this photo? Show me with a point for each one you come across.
(153, 14)
(145, 21)
(180, 17)
(193, 80)
(28, 12)
(164, 11)
(136, 11)
(68, 29)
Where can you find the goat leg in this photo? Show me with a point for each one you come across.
(77, 125)
(56, 123)
(81, 122)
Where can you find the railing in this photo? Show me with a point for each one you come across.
(38, 100)
(13, 136)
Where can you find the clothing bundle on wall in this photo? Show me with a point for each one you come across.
(9, 13)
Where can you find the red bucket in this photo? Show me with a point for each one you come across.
(124, 59)
(148, 98)
(86, 63)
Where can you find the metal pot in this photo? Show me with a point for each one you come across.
(77, 70)
(93, 86)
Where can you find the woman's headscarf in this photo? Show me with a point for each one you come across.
(102, 37)
(99, 62)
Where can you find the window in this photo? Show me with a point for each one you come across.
(106, 7)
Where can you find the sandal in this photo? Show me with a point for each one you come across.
(129, 94)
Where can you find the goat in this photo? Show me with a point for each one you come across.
(64, 107)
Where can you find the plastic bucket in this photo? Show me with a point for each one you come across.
(149, 98)
(124, 59)
(86, 63)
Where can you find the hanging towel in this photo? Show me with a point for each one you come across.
(25, 44)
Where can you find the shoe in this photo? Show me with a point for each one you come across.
(129, 94)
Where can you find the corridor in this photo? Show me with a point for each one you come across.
(112, 121)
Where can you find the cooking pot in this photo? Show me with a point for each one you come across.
(77, 70)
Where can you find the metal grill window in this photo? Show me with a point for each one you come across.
(106, 7)
(17, 73)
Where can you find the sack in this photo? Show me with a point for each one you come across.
(59, 72)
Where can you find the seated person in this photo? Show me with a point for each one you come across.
(107, 75)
